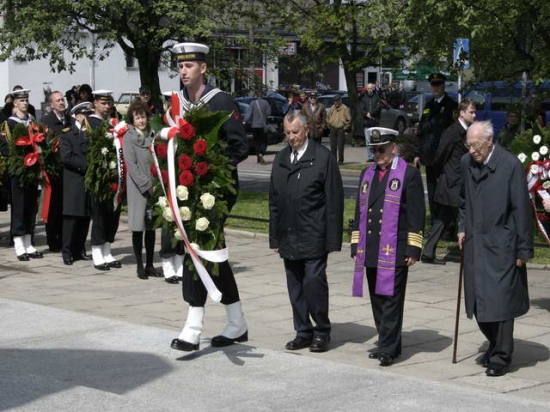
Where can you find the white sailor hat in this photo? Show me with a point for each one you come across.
(21, 93)
(381, 135)
(102, 94)
(190, 51)
(82, 108)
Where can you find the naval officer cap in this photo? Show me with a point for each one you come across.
(381, 135)
(82, 108)
(102, 94)
(187, 52)
(21, 93)
(437, 78)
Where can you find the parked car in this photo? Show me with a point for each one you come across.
(389, 117)
(124, 101)
(276, 120)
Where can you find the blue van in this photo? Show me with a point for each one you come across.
(493, 100)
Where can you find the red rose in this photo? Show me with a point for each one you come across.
(185, 162)
(154, 171)
(543, 217)
(186, 178)
(162, 150)
(114, 187)
(30, 159)
(200, 147)
(201, 168)
(186, 130)
(164, 175)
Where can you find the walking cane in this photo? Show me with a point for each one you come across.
(458, 304)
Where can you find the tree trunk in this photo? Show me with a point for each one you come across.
(148, 61)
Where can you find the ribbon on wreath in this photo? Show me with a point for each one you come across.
(33, 139)
(540, 226)
(118, 133)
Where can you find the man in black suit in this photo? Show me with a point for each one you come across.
(387, 237)
(447, 166)
(438, 114)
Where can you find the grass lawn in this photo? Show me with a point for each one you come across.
(251, 213)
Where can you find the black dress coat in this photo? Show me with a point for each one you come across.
(447, 165)
(306, 203)
(496, 219)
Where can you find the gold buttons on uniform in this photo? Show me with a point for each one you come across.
(370, 221)
(369, 232)
(370, 210)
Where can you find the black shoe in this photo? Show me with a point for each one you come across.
(183, 345)
(141, 274)
(68, 261)
(373, 355)
(172, 280)
(23, 258)
(35, 255)
(299, 342)
(152, 272)
(483, 360)
(82, 256)
(220, 340)
(496, 369)
(432, 261)
(319, 344)
(114, 264)
(385, 359)
(103, 266)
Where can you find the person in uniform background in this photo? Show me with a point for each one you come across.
(306, 201)
(511, 129)
(139, 186)
(59, 121)
(369, 111)
(496, 236)
(192, 67)
(387, 237)
(76, 199)
(316, 115)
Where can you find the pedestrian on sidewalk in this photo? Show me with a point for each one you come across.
(387, 237)
(496, 236)
(256, 115)
(339, 121)
(306, 202)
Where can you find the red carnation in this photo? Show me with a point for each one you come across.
(114, 187)
(30, 159)
(186, 178)
(185, 162)
(154, 171)
(200, 147)
(201, 168)
(162, 150)
(164, 175)
(186, 130)
(543, 217)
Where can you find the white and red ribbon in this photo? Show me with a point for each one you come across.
(118, 133)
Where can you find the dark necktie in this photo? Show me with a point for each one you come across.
(295, 158)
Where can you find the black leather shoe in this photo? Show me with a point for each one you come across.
(483, 360)
(183, 345)
(496, 369)
(433, 261)
(68, 261)
(141, 273)
(114, 264)
(152, 272)
(220, 340)
(373, 355)
(319, 344)
(385, 359)
(35, 255)
(299, 342)
(82, 256)
(23, 258)
(172, 280)
(103, 266)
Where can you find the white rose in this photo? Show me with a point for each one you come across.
(162, 201)
(182, 192)
(178, 235)
(185, 213)
(535, 156)
(202, 224)
(104, 151)
(109, 135)
(543, 150)
(546, 184)
(534, 169)
(537, 139)
(167, 213)
(195, 246)
(522, 157)
(112, 165)
(208, 201)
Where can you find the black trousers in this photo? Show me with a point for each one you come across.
(104, 222)
(260, 140)
(443, 220)
(24, 203)
(337, 137)
(308, 292)
(167, 250)
(388, 311)
(501, 340)
(54, 226)
(75, 232)
(431, 183)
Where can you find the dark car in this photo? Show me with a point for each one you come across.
(275, 121)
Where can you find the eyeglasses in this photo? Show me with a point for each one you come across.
(476, 146)
(378, 149)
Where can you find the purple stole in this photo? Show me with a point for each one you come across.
(385, 274)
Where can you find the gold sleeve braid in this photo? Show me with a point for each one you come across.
(354, 237)
(415, 239)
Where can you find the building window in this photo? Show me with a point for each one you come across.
(131, 63)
